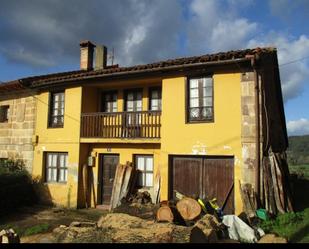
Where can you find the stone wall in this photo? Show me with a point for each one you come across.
(16, 134)
(248, 133)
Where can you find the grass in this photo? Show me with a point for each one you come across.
(293, 226)
(27, 231)
(301, 170)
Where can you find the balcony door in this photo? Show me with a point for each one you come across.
(133, 116)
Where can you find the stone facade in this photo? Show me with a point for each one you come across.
(248, 126)
(16, 134)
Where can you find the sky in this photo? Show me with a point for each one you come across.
(42, 36)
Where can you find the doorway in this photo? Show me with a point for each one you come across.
(106, 174)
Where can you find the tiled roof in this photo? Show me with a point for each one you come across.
(37, 81)
(10, 86)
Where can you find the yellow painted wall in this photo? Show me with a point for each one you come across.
(221, 137)
(126, 153)
(64, 139)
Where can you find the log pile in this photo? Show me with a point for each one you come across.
(186, 211)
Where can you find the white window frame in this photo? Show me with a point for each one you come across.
(56, 169)
(143, 171)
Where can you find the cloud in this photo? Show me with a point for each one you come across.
(47, 33)
(44, 33)
(293, 75)
(216, 26)
(298, 127)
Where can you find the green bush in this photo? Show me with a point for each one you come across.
(16, 186)
(9, 165)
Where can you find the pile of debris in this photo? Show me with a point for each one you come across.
(209, 224)
(140, 198)
(139, 205)
(122, 228)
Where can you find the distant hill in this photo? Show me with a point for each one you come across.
(298, 151)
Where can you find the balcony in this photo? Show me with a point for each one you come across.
(143, 124)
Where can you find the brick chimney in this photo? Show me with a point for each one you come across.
(86, 55)
(100, 57)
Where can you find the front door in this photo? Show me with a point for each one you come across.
(106, 175)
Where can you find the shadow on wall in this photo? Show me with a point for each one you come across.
(42, 192)
(18, 188)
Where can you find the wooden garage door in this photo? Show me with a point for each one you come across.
(204, 177)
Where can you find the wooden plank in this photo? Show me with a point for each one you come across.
(126, 183)
(275, 184)
(157, 187)
(117, 185)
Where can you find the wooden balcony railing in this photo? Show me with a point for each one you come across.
(143, 124)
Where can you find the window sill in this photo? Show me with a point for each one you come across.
(55, 127)
(200, 121)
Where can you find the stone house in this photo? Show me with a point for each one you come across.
(17, 123)
(202, 124)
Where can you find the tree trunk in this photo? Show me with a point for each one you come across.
(188, 208)
(164, 213)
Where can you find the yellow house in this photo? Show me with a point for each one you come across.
(193, 121)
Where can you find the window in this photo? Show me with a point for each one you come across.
(4, 113)
(133, 101)
(56, 167)
(109, 102)
(56, 118)
(155, 99)
(200, 99)
(144, 164)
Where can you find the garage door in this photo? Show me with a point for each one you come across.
(204, 177)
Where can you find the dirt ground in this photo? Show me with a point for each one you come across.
(28, 221)
(126, 224)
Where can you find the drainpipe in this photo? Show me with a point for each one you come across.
(257, 127)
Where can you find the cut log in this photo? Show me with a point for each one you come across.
(164, 213)
(188, 208)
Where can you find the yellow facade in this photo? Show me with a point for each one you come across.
(64, 139)
(221, 137)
